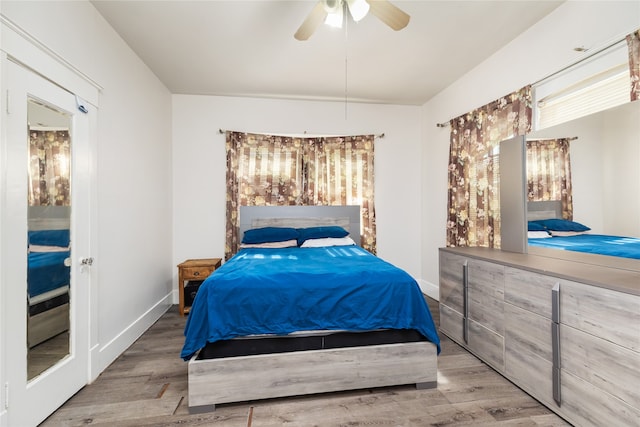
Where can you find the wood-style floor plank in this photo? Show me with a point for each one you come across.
(147, 386)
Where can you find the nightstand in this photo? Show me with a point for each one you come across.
(193, 270)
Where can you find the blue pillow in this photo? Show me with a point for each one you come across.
(49, 238)
(269, 234)
(535, 226)
(320, 233)
(557, 224)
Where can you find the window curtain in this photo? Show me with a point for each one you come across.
(262, 170)
(549, 173)
(339, 171)
(633, 42)
(266, 170)
(49, 168)
(473, 205)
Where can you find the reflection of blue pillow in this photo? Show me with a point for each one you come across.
(557, 224)
(320, 233)
(49, 238)
(269, 234)
(535, 226)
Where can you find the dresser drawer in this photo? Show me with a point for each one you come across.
(189, 273)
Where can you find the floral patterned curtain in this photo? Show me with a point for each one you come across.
(549, 173)
(473, 206)
(262, 170)
(633, 42)
(339, 171)
(266, 170)
(49, 168)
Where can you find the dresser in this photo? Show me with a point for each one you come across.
(193, 271)
(565, 331)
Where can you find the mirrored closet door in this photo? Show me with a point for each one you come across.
(45, 245)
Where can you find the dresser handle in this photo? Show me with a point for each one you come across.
(196, 273)
(555, 343)
(465, 302)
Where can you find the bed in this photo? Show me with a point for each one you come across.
(547, 229)
(295, 320)
(48, 273)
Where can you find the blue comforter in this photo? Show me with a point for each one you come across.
(279, 291)
(627, 247)
(47, 271)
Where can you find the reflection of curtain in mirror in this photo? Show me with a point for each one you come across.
(633, 42)
(49, 168)
(549, 173)
(473, 205)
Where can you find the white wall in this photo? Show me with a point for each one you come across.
(132, 238)
(540, 51)
(622, 175)
(199, 163)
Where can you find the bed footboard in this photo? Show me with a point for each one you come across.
(47, 324)
(243, 378)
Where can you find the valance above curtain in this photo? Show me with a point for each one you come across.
(473, 205)
(271, 170)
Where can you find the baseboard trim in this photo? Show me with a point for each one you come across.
(103, 355)
(429, 289)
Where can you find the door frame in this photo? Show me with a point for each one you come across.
(20, 47)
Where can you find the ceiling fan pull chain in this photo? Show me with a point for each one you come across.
(346, 68)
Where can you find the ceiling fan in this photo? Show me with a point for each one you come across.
(332, 12)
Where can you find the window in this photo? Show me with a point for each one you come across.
(599, 82)
(266, 170)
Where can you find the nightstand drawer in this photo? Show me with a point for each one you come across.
(189, 273)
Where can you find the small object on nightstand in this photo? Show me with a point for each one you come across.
(191, 274)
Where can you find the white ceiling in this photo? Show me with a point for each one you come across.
(246, 48)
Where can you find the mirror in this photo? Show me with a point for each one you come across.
(604, 154)
(49, 246)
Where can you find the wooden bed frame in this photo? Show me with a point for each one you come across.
(244, 378)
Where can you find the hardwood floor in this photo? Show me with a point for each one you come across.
(47, 354)
(147, 386)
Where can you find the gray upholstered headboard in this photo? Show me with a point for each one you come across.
(544, 210)
(49, 217)
(347, 217)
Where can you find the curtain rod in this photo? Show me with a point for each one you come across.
(591, 55)
(381, 135)
(568, 138)
(538, 82)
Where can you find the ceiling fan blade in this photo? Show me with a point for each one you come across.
(313, 20)
(389, 14)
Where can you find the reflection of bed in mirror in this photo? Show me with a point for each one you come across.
(605, 178)
(299, 320)
(48, 273)
(547, 229)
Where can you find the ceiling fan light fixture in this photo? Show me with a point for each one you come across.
(358, 9)
(333, 13)
(331, 6)
(334, 19)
